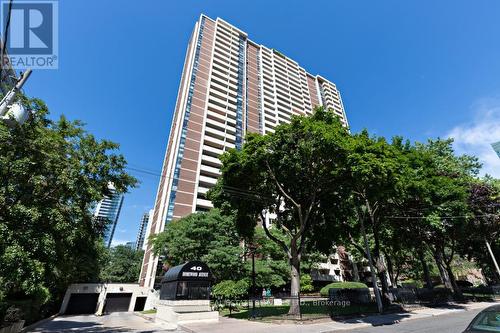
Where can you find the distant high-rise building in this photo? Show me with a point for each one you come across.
(143, 228)
(109, 208)
(130, 245)
(229, 86)
(496, 147)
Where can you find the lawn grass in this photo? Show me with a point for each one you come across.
(309, 310)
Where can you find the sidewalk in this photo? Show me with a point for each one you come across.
(226, 325)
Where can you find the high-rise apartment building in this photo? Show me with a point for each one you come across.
(130, 245)
(143, 228)
(109, 208)
(496, 147)
(230, 85)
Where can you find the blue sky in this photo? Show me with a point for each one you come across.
(414, 68)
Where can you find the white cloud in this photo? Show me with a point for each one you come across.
(476, 137)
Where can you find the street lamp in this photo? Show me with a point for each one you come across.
(252, 248)
(12, 113)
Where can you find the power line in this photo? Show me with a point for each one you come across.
(5, 38)
(252, 195)
(152, 173)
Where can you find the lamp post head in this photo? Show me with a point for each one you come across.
(16, 114)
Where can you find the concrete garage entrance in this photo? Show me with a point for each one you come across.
(82, 303)
(117, 302)
(100, 298)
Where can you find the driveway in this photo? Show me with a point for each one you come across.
(118, 322)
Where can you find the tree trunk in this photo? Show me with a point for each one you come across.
(456, 289)
(427, 275)
(295, 281)
(382, 276)
(355, 273)
(390, 268)
(445, 278)
(381, 270)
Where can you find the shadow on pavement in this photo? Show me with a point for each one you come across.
(387, 319)
(448, 306)
(66, 324)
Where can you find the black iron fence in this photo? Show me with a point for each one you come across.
(438, 296)
(344, 303)
(311, 307)
(421, 295)
(483, 293)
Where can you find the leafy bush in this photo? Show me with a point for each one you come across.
(306, 283)
(13, 315)
(410, 283)
(440, 286)
(230, 289)
(342, 285)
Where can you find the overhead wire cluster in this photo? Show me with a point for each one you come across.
(254, 196)
(5, 38)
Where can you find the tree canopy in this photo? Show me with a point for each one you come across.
(295, 174)
(122, 264)
(213, 238)
(209, 237)
(51, 172)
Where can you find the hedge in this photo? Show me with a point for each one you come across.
(411, 283)
(342, 285)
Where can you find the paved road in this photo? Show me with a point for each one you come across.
(447, 323)
(422, 321)
(119, 322)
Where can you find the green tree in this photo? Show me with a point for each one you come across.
(483, 225)
(51, 172)
(306, 283)
(123, 264)
(296, 173)
(230, 290)
(206, 236)
(374, 168)
(432, 210)
(271, 264)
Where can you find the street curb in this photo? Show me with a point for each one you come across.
(38, 323)
(144, 317)
(184, 328)
(414, 317)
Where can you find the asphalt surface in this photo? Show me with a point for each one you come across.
(424, 322)
(447, 323)
(119, 322)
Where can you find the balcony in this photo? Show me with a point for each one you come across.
(210, 171)
(208, 180)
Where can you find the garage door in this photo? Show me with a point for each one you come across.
(117, 302)
(82, 303)
(140, 302)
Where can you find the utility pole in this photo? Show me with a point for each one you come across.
(20, 114)
(372, 269)
(492, 256)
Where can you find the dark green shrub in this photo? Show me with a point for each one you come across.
(342, 285)
(13, 315)
(410, 283)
